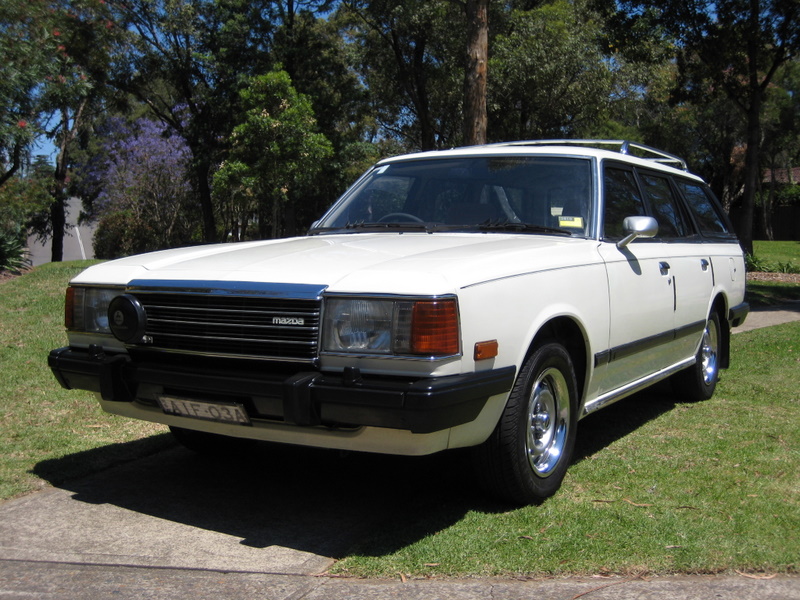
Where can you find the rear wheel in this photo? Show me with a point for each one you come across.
(699, 381)
(526, 457)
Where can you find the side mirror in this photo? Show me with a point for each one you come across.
(637, 227)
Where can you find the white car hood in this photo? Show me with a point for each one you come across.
(377, 263)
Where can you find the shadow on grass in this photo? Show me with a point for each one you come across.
(602, 428)
(324, 502)
(59, 471)
(764, 295)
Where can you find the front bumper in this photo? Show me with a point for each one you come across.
(306, 398)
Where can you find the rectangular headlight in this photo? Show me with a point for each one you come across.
(359, 325)
(391, 326)
(86, 309)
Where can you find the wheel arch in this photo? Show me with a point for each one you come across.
(720, 307)
(567, 332)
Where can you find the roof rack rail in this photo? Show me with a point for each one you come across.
(624, 147)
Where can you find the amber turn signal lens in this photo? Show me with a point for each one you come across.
(434, 329)
(69, 308)
(485, 350)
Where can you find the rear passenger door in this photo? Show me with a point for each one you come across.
(689, 265)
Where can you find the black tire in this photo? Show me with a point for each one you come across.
(209, 444)
(526, 457)
(699, 381)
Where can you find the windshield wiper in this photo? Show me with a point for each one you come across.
(521, 227)
(361, 225)
(506, 226)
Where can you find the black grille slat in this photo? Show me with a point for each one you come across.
(221, 315)
(230, 324)
(166, 323)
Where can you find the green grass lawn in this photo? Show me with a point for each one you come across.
(771, 255)
(38, 419)
(778, 252)
(658, 485)
(781, 256)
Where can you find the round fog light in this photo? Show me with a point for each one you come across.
(127, 319)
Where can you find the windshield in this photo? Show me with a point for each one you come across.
(506, 193)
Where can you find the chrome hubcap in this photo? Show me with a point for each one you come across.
(708, 352)
(547, 423)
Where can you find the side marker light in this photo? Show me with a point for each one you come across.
(486, 350)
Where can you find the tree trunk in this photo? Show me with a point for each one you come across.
(420, 99)
(475, 74)
(16, 162)
(751, 171)
(274, 231)
(201, 172)
(58, 219)
(58, 209)
(767, 203)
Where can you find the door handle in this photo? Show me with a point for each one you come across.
(704, 264)
(664, 267)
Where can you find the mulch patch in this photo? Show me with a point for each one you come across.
(779, 277)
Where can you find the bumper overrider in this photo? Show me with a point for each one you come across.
(304, 398)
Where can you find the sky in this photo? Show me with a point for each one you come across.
(44, 147)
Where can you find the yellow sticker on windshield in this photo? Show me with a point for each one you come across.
(576, 222)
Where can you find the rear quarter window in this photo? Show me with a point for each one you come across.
(703, 209)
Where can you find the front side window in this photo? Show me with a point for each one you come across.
(621, 198)
(493, 193)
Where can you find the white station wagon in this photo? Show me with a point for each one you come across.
(485, 297)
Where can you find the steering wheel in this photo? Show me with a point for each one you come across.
(401, 216)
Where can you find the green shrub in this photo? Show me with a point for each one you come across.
(787, 267)
(123, 234)
(12, 247)
(755, 264)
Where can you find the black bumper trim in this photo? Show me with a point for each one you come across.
(306, 398)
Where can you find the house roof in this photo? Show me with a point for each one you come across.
(782, 175)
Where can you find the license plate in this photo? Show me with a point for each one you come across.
(200, 409)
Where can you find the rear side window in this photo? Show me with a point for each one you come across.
(705, 213)
(621, 199)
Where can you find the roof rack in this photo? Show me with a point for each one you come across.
(624, 147)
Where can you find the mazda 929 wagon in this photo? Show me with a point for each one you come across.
(486, 297)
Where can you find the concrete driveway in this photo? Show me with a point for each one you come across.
(281, 510)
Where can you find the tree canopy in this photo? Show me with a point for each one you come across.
(263, 111)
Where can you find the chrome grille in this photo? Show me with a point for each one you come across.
(231, 324)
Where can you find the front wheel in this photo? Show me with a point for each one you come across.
(527, 455)
(699, 381)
